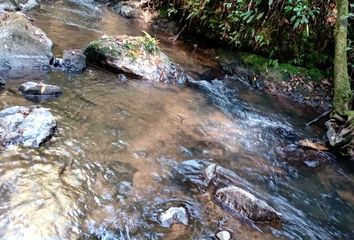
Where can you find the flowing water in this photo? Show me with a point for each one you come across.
(107, 172)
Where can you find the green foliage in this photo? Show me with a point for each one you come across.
(263, 65)
(150, 43)
(283, 29)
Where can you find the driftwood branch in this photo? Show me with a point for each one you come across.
(175, 38)
(319, 117)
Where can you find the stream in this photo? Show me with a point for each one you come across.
(107, 173)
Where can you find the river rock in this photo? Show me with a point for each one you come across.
(203, 174)
(29, 5)
(32, 88)
(137, 57)
(128, 9)
(17, 5)
(8, 5)
(27, 126)
(73, 61)
(22, 45)
(239, 201)
(223, 235)
(230, 191)
(174, 215)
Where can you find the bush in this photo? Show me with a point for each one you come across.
(294, 30)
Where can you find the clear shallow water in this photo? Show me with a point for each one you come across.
(107, 173)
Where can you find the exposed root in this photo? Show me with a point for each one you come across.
(340, 134)
(319, 117)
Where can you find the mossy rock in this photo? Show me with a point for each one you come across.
(138, 57)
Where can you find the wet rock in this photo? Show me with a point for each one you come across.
(204, 174)
(32, 88)
(2, 82)
(128, 9)
(73, 61)
(239, 201)
(122, 78)
(223, 235)
(21, 5)
(137, 57)
(8, 5)
(229, 190)
(174, 215)
(22, 45)
(29, 5)
(27, 126)
(312, 164)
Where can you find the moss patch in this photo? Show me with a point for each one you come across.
(265, 66)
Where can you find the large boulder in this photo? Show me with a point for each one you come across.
(137, 57)
(27, 126)
(22, 45)
(229, 190)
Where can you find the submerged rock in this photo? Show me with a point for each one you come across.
(228, 190)
(73, 61)
(27, 126)
(239, 201)
(174, 215)
(32, 88)
(138, 57)
(22, 45)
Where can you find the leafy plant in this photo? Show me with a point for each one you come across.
(150, 43)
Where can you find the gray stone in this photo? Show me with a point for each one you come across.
(8, 5)
(223, 235)
(137, 57)
(22, 45)
(73, 61)
(17, 5)
(239, 201)
(128, 9)
(32, 88)
(231, 192)
(29, 5)
(27, 126)
(174, 215)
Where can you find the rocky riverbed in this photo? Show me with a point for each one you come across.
(109, 133)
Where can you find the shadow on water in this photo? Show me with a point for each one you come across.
(107, 173)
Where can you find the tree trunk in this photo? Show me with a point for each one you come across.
(342, 92)
(340, 133)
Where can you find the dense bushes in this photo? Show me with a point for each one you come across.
(296, 31)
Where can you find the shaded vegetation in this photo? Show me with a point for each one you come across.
(300, 32)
